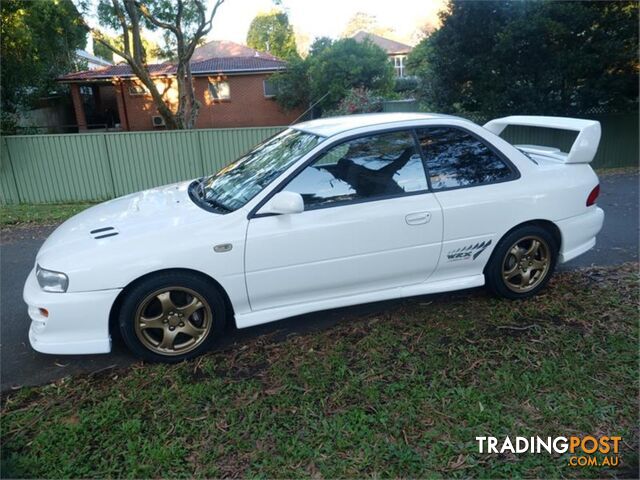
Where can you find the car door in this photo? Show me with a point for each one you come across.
(474, 183)
(369, 223)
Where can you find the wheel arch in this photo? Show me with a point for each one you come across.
(117, 304)
(548, 225)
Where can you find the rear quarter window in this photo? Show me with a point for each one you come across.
(455, 158)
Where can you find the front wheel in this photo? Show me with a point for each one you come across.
(171, 317)
(522, 263)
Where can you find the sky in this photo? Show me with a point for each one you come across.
(316, 18)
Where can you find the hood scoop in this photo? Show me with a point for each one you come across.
(104, 232)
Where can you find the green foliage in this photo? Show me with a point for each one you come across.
(348, 64)
(319, 45)
(271, 32)
(406, 86)
(357, 100)
(37, 44)
(102, 51)
(530, 57)
(331, 70)
(292, 85)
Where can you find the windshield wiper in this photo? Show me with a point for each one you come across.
(199, 193)
(216, 204)
(200, 186)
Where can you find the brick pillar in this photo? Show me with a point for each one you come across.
(122, 108)
(78, 107)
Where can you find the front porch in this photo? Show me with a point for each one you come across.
(99, 106)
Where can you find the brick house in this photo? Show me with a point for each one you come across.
(231, 82)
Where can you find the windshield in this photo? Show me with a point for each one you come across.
(233, 186)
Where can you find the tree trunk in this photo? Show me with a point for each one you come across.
(188, 106)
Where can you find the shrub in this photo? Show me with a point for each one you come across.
(357, 100)
(406, 85)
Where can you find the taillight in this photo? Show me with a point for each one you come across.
(593, 196)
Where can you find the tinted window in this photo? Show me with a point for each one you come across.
(457, 159)
(365, 168)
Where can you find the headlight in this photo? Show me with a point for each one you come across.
(51, 281)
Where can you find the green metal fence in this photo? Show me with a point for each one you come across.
(98, 166)
(618, 144)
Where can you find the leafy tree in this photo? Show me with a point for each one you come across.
(271, 32)
(364, 22)
(37, 44)
(320, 44)
(532, 57)
(183, 24)
(347, 64)
(330, 71)
(292, 85)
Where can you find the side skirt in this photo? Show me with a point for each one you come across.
(273, 314)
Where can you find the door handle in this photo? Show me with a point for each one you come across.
(418, 218)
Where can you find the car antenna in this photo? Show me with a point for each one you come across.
(308, 109)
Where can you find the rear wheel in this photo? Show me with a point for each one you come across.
(171, 317)
(522, 263)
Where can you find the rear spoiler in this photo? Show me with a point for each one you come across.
(583, 149)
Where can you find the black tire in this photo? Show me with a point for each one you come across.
(185, 307)
(504, 262)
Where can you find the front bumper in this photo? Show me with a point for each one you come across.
(78, 322)
(579, 233)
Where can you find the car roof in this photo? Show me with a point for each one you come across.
(327, 127)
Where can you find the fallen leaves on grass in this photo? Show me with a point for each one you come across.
(403, 392)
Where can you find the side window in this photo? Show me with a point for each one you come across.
(457, 159)
(369, 167)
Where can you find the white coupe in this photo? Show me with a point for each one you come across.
(328, 213)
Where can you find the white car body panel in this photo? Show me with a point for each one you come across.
(284, 265)
(339, 252)
(585, 145)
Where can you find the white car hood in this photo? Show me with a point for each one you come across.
(153, 212)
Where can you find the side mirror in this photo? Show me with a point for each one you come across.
(283, 203)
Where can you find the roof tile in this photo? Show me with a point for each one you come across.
(210, 66)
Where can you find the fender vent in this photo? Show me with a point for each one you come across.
(104, 232)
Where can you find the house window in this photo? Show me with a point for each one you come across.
(398, 65)
(219, 89)
(138, 90)
(269, 87)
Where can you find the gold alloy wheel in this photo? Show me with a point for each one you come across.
(173, 321)
(526, 264)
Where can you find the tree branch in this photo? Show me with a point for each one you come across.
(123, 23)
(99, 37)
(144, 10)
(213, 14)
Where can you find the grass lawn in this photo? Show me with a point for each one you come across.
(401, 393)
(42, 214)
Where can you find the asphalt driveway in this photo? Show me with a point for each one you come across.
(20, 365)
